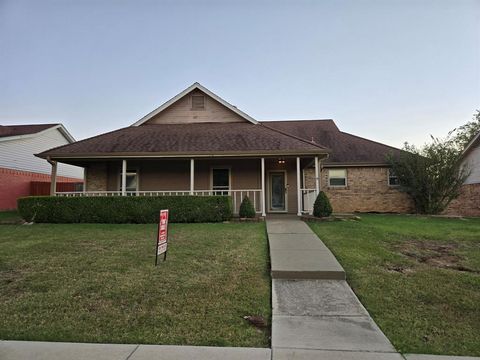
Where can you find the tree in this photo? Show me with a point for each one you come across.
(462, 135)
(322, 206)
(432, 175)
(246, 208)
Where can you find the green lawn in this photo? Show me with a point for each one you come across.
(97, 283)
(418, 277)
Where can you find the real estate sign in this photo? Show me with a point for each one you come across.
(162, 237)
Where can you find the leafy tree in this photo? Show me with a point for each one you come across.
(462, 135)
(322, 206)
(432, 174)
(246, 208)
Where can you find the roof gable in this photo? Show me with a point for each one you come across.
(13, 132)
(178, 110)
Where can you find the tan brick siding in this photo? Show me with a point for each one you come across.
(96, 176)
(468, 203)
(367, 190)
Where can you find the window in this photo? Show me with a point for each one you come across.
(132, 181)
(198, 102)
(337, 177)
(220, 181)
(392, 178)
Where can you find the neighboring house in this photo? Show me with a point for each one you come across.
(197, 143)
(18, 165)
(468, 203)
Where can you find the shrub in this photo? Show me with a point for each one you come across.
(246, 208)
(119, 209)
(322, 206)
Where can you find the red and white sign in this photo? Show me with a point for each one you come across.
(162, 232)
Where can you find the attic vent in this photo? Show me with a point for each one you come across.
(198, 102)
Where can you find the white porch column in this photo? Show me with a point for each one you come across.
(53, 178)
(124, 177)
(264, 213)
(84, 179)
(299, 191)
(317, 176)
(192, 176)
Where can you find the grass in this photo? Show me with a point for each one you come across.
(419, 277)
(97, 283)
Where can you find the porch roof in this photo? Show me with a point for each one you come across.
(188, 139)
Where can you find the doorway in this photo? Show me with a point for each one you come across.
(278, 191)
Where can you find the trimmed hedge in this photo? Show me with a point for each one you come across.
(120, 209)
(322, 206)
(246, 208)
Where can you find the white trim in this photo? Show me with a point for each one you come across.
(269, 190)
(192, 176)
(264, 213)
(337, 186)
(470, 144)
(219, 167)
(299, 191)
(317, 176)
(60, 127)
(195, 86)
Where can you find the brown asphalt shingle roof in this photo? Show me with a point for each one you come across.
(188, 139)
(213, 138)
(16, 130)
(345, 148)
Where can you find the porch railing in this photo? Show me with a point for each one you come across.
(255, 195)
(308, 199)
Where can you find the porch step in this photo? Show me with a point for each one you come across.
(297, 253)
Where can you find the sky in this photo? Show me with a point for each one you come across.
(390, 70)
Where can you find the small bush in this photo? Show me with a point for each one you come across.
(322, 206)
(120, 209)
(246, 208)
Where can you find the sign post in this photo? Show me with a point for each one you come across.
(162, 236)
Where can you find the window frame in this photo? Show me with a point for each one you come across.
(221, 191)
(389, 176)
(336, 177)
(130, 171)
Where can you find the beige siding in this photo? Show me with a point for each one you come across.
(181, 112)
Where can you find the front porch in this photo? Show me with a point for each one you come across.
(275, 185)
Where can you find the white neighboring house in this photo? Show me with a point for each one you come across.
(468, 203)
(472, 159)
(18, 164)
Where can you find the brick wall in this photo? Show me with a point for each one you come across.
(367, 190)
(16, 183)
(96, 177)
(468, 203)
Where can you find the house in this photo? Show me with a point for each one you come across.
(18, 165)
(198, 144)
(468, 203)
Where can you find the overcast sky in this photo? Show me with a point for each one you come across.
(391, 71)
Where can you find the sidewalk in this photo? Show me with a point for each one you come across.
(315, 313)
(36, 350)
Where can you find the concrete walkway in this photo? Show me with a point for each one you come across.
(37, 350)
(315, 313)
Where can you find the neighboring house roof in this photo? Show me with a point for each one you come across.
(194, 86)
(10, 132)
(187, 139)
(345, 148)
(474, 142)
